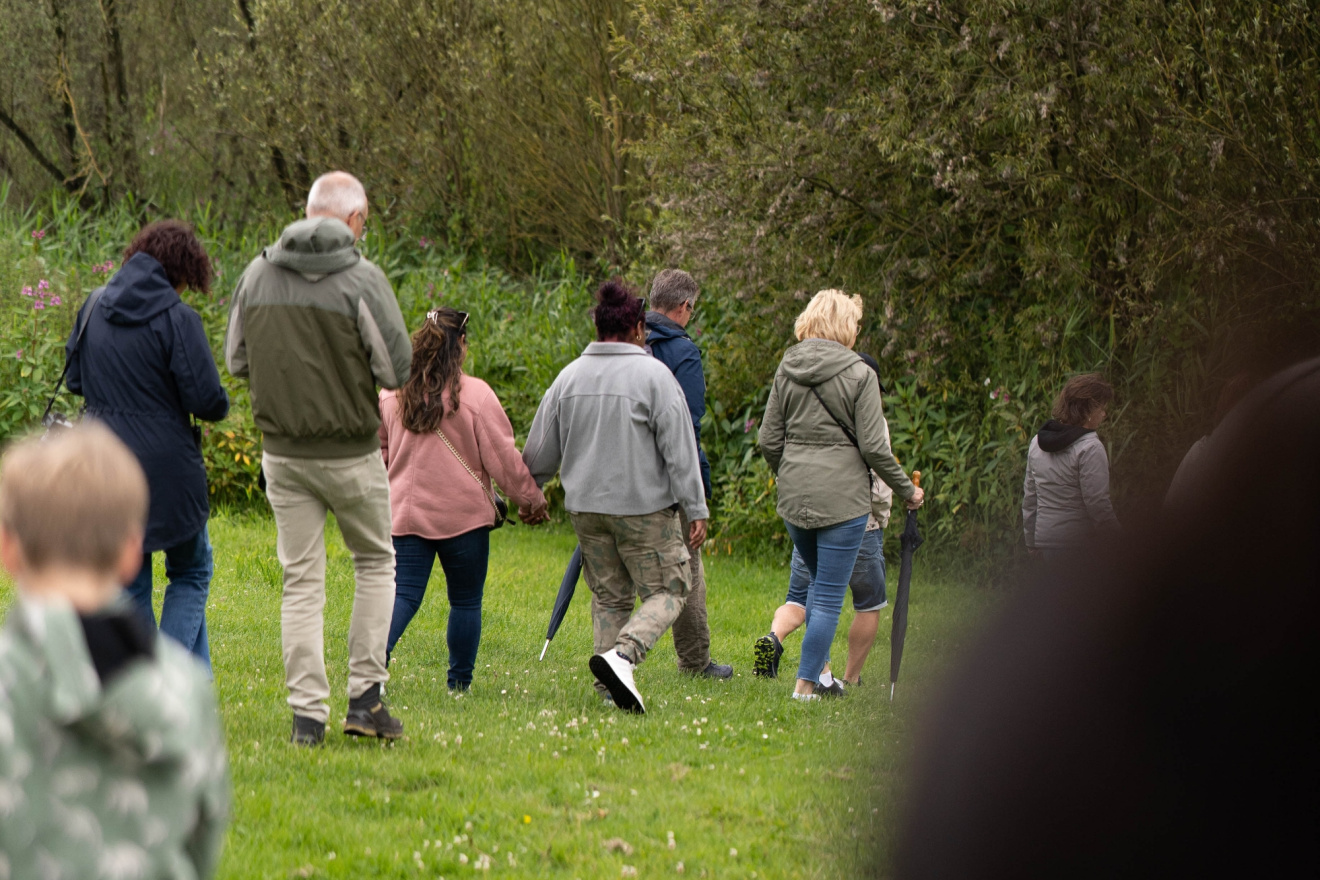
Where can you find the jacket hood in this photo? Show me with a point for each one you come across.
(315, 247)
(1055, 436)
(660, 327)
(815, 361)
(139, 292)
(138, 714)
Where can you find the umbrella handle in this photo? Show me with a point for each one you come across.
(916, 479)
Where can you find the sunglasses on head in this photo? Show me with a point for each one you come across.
(434, 317)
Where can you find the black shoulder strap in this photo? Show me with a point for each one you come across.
(847, 432)
(77, 341)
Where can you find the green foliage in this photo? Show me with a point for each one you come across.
(1018, 191)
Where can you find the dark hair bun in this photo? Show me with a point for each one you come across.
(618, 310)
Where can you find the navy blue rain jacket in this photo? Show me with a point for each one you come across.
(143, 367)
(670, 344)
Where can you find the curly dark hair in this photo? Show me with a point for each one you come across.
(174, 245)
(618, 311)
(1084, 393)
(437, 367)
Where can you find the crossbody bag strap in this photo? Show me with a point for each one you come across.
(471, 472)
(77, 343)
(847, 432)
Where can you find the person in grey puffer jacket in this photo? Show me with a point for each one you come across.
(1066, 488)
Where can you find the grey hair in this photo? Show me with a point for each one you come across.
(336, 194)
(673, 288)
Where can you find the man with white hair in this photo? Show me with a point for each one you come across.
(315, 327)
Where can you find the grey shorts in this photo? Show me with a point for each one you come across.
(867, 582)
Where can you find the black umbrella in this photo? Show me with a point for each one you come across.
(566, 588)
(910, 540)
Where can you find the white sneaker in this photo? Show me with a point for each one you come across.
(806, 698)
(615, 671)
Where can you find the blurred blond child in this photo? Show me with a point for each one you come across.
(111, 758)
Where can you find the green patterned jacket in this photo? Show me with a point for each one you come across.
(130, 781)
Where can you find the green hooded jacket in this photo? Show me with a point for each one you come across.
(126, 780)
(822, 477)
(315, 327)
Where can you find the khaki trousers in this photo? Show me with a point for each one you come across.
(357, 491)
(627, 558)
(691, 629)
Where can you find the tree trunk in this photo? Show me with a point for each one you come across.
(121, 121)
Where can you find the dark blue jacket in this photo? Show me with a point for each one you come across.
(143, 367)
(670, 344)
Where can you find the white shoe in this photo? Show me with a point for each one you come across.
(806, 698)
(615, 671)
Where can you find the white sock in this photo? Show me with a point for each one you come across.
(826, 678)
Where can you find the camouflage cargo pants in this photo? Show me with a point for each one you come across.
(627, 559)
(691, 631)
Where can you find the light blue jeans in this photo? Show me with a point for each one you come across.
(829, 554)
(183, 614)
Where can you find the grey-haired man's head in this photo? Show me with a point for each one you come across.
(340, 195)
(674, 295)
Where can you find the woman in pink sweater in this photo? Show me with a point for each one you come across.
(444, 436)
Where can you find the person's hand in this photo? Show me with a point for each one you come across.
(697, 533)
(534, 516)
(918, 498)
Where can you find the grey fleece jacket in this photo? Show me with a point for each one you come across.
(615, 425)
(823, 479)
(315, 327)
(1065, 494)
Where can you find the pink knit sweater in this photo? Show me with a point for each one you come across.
(431, 495)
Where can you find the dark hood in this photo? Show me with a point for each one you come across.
(1055, 436)
(659, 327)
(139, 292)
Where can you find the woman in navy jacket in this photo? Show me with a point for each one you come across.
(145, 367)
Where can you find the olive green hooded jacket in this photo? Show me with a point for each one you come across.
(315, 327)
(822, 477)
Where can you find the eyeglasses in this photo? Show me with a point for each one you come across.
(434, 317)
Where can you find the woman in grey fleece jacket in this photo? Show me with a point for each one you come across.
(1065, 494)
(615, 425)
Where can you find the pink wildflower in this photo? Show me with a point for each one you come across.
(55, 301)
(19, 354)
(27, 291)
(38, 234)
(423, 242)
(43, 285)
(39, 305)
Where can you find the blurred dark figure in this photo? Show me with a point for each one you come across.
(1148, 714)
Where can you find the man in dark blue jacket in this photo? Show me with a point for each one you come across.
(673, 297)
(145, 368)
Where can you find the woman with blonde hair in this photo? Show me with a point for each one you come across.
(444, 435)
(823, 432)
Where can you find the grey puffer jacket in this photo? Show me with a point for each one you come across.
(822, 477)
(1065, 495)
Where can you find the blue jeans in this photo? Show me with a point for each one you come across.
(464, 560)
(830, 554)
(867, 581)
(183, 613)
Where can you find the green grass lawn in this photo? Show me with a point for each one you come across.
(529, 774)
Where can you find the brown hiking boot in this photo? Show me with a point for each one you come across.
(368, 716)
